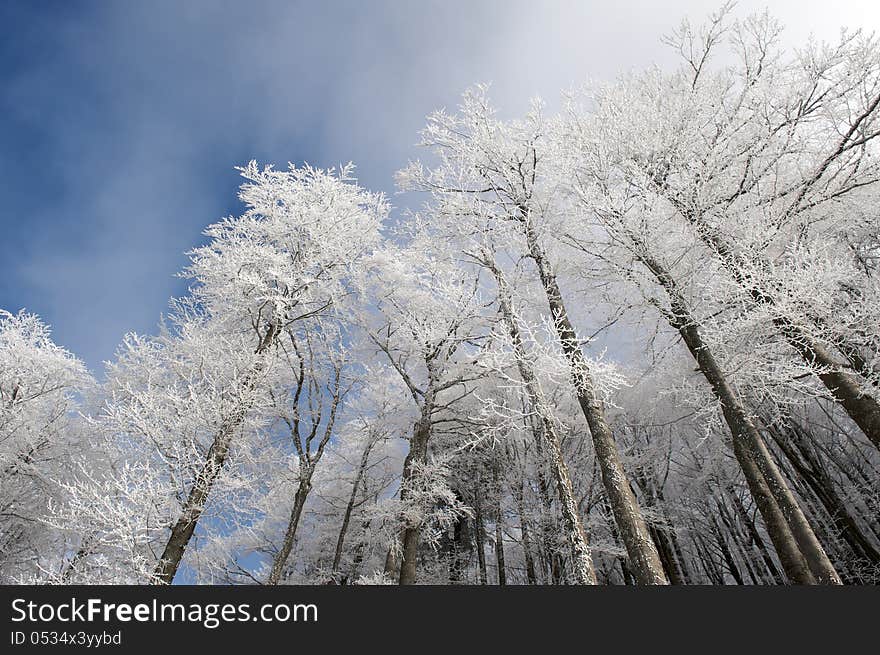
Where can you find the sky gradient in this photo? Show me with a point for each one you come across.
(122, 121)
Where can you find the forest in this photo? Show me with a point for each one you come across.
(634, 340)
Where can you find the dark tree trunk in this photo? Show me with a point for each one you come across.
(479, 533)
(574, 530)
(418, 454)
(813, 473)
(531, 577)
(736, 538)
(729, 562)
(182, 531)
(499, 533)
(667, 555)
(755, 538)
(461, 550)
(349, 508)
(750, 449)
(299, 502)
(710, 566)
(644, 560)
(499, 554)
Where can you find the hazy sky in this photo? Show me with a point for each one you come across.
(122, 120)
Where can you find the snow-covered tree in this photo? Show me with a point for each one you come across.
(41, 389)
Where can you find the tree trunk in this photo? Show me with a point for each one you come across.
(749, 448)
(479, 533)
(659, 533)
(725, 552)
(644, 560)
(526, 540)
(299, 502)
(461, 549)
(710, 566)
(574, 530)
(499, 536)
(667, 556)
(736, 537)
(755, 537)
(810, 546)
(390, 568)
(182, 531)
(548, 550)
(499, 554)
(818, 481)
(349, 508)
(862, 407)
(418, 454)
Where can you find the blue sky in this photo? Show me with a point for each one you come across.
(122, 120)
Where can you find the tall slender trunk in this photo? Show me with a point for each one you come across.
(349, 508)
(790, 556)
(358, 558)
(299, 502)
(755, 537)
(308, 461)
(574, 529)
(817, 480)
(499, 535)
(679, 554)
(671, 536)
(749, 447)
(182, 531)
(667, 555)
(461, 549)
(818, 561)
(531, 577)
(479, 534)
(735, 533)
(729, 562)
(548, 551)
(659, 533)
(418, 454)
(710, 566)
(499, 553)
(625, 571)
(390, 566)
(644, 559)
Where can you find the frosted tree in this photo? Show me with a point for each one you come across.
(310, 416)
(540, 413)
(636, 229)
(345, 398)
(182, 399)
(426, 320)
(165, 400)
(497, 178)
(378, 417)
(317, 507)
(762, 159)
(41, 389)
(288, 258)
